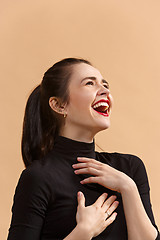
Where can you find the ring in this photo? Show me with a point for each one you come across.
(107, 214)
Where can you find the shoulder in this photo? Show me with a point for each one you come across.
(35, 176)
(127, 163)
(34, 185)
(119, 158)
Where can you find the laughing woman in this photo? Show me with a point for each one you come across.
(68, 191)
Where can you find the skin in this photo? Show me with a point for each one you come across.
(81, 124)
(138, 224)
(98, 211)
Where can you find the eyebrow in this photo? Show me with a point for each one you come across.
(95, 79)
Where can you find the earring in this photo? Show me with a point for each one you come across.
(65, 115)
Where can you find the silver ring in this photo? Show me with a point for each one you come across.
(107, 214)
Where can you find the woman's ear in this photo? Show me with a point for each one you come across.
(56, 105)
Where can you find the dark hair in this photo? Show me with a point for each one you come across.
(41, 124)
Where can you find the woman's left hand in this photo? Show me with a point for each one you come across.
(101, 173)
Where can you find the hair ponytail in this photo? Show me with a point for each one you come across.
(40, 127)
(32, 129)
(41, 124)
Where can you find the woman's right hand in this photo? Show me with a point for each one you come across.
(96, 217)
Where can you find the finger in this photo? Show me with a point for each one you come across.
(109, 202)
(88, 170)
(84, 159)
(91, 180)
(79, 165)
(111, 219)
(81, 199)
(112, 208)
(99, 202)
(83, 165)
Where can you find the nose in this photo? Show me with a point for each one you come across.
(103, 90)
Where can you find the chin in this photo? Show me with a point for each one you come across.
(102, 126)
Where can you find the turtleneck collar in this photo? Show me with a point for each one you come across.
(72, 148)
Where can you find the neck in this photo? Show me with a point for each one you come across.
(81, 136)
(72, 149)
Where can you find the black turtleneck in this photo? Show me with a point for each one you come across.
(45, 201)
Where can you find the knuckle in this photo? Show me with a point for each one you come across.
(112, 198)
(115, 204)
(113, 217)
(100, 167)
(100, 178)
(96, 208)
(104, 196)
(110, 220)
(91, 179)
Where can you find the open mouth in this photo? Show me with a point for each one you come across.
(102, 107)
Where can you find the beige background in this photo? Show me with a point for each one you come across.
(120, 37)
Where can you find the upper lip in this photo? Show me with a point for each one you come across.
(102, 100)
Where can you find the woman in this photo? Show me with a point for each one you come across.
(69, 191)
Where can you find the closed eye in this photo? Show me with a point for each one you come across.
(106, 86)
(92, 83)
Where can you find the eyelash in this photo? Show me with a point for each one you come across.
(90, 82)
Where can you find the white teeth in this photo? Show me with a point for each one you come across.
(101, 104)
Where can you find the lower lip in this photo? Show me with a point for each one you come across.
(104, 114)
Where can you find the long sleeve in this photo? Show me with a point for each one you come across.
(141, 180)
(30, 204)
(133, 167)
(45, 201)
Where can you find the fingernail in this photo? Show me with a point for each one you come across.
(73, 165)
(79, 194)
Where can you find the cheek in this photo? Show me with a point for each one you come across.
(81, 101)
(111, 100)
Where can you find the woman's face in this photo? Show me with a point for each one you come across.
(84, 114)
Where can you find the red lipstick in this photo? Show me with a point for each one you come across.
(106, 113)
(102, 100)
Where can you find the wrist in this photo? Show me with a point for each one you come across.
(127, 184)
(85, 232)
(79, 233)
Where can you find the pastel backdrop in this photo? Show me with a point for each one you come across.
(121, 38)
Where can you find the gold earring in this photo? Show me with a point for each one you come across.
(65, 115)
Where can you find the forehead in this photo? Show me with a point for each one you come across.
(84, 70)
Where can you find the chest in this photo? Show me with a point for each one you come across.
(61, 213)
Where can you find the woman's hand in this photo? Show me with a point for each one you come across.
(102, 173)
(95, 218)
